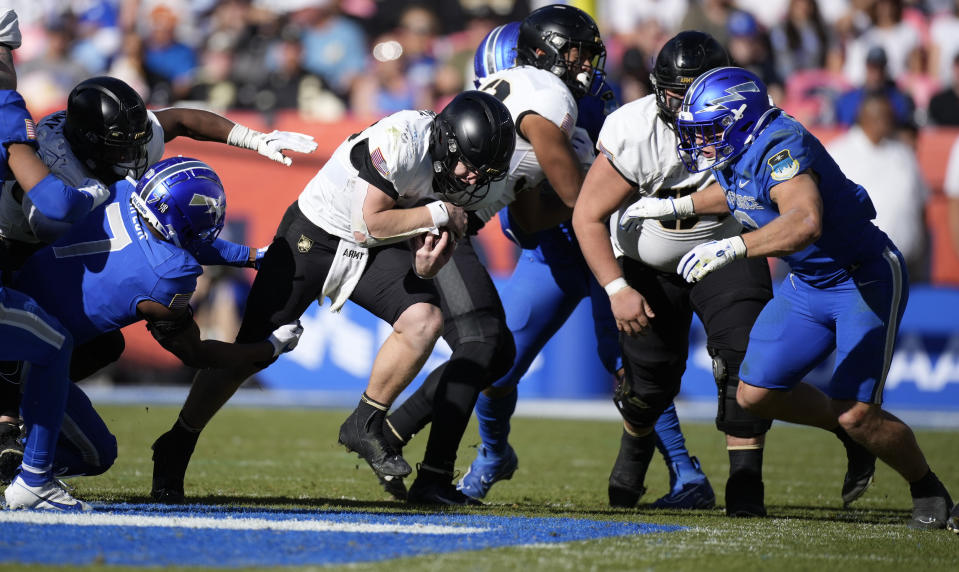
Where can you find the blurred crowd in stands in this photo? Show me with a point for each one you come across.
(327, 58)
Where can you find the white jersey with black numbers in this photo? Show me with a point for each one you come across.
(393, 152)
(526, 90)
(57, 155)
(642, 148)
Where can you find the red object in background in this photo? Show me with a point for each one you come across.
(260, 190)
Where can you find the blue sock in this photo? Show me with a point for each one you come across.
(44, 399)
(672, 444)
(493, 416)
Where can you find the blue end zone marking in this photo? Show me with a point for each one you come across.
(241, 547)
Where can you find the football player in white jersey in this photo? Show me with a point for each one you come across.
(560, 56)
(653, 305)
(401, 185)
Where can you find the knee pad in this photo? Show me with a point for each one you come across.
(641, 404)
(731, 418)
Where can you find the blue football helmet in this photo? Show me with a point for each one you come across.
(723, 110)
(497, 51)
(183, 200)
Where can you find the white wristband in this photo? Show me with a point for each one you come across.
(683, 207)
(242, 136)
(615, 286)
(439, 213)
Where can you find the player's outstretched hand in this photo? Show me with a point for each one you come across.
(647, 208)
(272, 144)
(710, 256)
(286, 337)
(431, 252)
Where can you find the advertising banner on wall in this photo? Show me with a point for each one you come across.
(337, 350)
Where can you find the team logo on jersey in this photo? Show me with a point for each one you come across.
(31, 128)
(304, 244)
(783, 165)
(379, 162)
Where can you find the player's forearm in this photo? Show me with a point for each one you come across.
(217, 354)
(593, 236)
(397, 222)
(195, 124)
(565, 176)
(791, 232)
(711, 200)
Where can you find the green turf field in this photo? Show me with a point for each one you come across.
(289, 459)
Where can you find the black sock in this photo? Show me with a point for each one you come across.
(633, 458)
(417, 411)
(372, 412)
(746, 464)
(184, 433)
(927, 486)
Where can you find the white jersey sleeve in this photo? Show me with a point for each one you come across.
(526, 90)
(642, 148)
(391, 155)
(157, 144)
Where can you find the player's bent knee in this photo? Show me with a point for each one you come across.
(753, 399)
(421, 321)
(860, 417)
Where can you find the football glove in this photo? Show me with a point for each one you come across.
(285, 337)
(271, 145)
(10, 30)
(709, 256)
(656, 209)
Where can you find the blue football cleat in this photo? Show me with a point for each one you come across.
(688, 491)
(487, 469)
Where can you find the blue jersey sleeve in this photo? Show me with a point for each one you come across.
(16, 125)
(173, 292)
(785, 155)
(223, 253)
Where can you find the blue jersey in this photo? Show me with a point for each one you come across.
(93, 277)
(16, 126)
(781, 151)
(559, 243)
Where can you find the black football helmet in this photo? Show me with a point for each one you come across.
(476, 129)
(108, 128)
(548, 34)
(686, 56)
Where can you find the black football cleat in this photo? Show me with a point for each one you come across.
(365, 438)
(171, 456)
(932, 512)
(436, 488)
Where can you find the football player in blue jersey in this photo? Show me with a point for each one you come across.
(105, 134)
(550, 280)
(847, 287)
(28, 332)
(131, 259)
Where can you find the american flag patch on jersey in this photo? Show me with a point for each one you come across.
(379, 162)
(180, 301)
(31, 129)
(567, 125)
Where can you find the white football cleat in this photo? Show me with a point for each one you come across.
(48, 496)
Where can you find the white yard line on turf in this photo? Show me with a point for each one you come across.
(99, 519)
